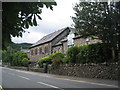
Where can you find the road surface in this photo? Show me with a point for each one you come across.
(12, 78)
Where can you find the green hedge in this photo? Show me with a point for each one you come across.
(72, 54)
(92, 53)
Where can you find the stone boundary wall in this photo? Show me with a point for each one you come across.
(28, 69)
(16, 67)
(101, 71)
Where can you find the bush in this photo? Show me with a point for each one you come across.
(72, 54)
(57, 58)
(25, 62)
(46, 59)
(18, 57)
(54, 59)
(65, 60)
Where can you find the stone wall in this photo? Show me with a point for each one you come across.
(79, 41)
(41, 70)
(101, 71)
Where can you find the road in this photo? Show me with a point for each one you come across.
(12, 78)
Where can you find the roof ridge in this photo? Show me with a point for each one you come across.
(49, 37)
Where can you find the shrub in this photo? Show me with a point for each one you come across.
(54, 58)
(17, 58)
(25, 62)
(65, 60)
(46, 59)
(72, 54)
(57, 58)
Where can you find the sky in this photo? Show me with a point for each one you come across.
(51, 21)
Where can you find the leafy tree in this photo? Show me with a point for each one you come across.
(101, 19)
(17, 16)
(19, 58)
(25, 61)
(7, 54)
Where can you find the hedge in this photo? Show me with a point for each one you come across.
(92, 53)
(72, 54)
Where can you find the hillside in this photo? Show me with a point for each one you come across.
(19, 46)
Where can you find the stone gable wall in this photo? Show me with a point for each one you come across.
(82, 41)
(60, 37)
(39, 55)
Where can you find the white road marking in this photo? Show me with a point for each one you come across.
(24, 77)
(47, 85)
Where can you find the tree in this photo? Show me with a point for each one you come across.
(7, 54)
(101, 19)
(17, 16)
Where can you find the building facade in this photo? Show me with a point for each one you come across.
(58, 41)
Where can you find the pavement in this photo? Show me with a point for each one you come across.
(12, 78)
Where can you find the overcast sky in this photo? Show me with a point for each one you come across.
(51, 21)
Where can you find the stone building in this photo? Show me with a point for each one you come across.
(58, 41)
(49, 44)
(80, 41)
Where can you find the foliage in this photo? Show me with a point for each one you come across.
(99, 19)
(17, 16)
(54, 58)
(25, 61)
(94, 53)
(7, 54)
(82, 56)
(65, 60)
(18, 58)
(46, 59)
(57, 58)
(72, 54)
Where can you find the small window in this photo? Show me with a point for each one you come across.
(40, 50)
(36, 51)
(46, 49)
(31, 52)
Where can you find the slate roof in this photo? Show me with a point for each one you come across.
(49, 37)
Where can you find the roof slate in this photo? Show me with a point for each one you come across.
(48, 37)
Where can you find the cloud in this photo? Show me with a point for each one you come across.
(31, 37)
(51, 21)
